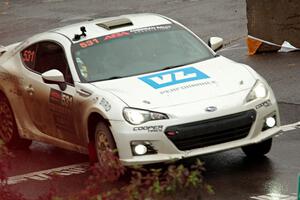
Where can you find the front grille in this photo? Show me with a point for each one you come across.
(210, 132)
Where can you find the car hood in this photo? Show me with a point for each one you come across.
(194, 82)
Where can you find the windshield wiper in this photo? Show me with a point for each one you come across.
(111, 78)
(175, 66)
(171, 67)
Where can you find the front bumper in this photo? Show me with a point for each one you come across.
(248, 117)
(162, 157)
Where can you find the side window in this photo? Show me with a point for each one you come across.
(47, 56)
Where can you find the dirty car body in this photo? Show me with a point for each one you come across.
(163, 93)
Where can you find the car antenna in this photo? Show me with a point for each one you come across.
(78, 36)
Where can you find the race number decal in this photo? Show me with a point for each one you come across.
(89, 43)
(28, 56)
(61, 108)
(60, 98)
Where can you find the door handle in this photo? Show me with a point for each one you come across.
(29, 89)
(83, 92)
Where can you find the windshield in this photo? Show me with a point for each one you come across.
(136, 52)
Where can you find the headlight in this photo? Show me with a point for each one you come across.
(258, 91)
(136, 116)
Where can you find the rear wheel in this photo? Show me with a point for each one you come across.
(8, 127)
(104, 141)
(258, 150)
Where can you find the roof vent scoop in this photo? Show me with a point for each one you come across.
(78, 36)
(114, 24)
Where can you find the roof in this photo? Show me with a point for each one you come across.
(93, 30)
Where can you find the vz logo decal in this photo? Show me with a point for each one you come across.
(164, 79)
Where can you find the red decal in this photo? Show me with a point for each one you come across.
(28, 56)
(83, 44)
(89, 43)
(95, 40)
(116, 35)
(55, 94)
(55, 97)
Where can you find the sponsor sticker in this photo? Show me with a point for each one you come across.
(174, 77)
(105, 104)
(116, 35)
(152, 29)
(264, 104)
(149, 129)
(187, 86)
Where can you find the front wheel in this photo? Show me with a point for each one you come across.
(104, 142)
(258, 150)
(8, 127)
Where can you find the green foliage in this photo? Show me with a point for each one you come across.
(173, 181)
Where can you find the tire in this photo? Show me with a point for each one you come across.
(104, 141)
(258, 150)
(8, 127)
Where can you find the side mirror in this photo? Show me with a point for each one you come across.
(215, 43)
(54, 76)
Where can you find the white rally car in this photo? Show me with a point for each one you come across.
(143, 84)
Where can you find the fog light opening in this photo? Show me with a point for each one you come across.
(140, 149)
(270, 122)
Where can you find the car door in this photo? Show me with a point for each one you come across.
(49, 107)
